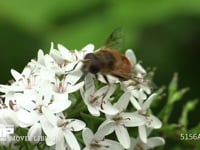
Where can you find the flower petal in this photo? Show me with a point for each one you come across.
(72, 67)
(105, 129)
(135, 103)
(140, 69)
(60, 97)
(59, 105)
(56, 55)
(123, 101)
(112, 145)
(75, 87)
(108, 109)
(93, 111)
(49, 130)
(123, 136)
(75, 125)
(135, 93)
(71, 140)
(148, 102)
(34, 133)
(88, 48)
(142, 96)
(16, 75)
(40, 57)
(132, 120)
(87, 135)
(65, 52)
(154, 142)
(133, 143)
(131, 55)
(146, 88)
(27, 103)
(73, 77)
(102, 91)
(49, 115)
(142, 133)
(8, 88)
(60, 141)
(110, 91)
(21, 114)
(154, 122)
(26, 71)
(89, 84)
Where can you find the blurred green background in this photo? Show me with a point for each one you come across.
(164, 34)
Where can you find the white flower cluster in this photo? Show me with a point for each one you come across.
(40, 96)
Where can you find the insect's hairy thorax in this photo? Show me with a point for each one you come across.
(106, 59)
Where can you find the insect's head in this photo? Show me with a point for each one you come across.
(91, 64)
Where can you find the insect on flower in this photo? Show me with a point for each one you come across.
(107, 62)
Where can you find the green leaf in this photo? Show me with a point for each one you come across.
(187, 108)
(174, 95)
(195, 129)
(177, 95)
(173, 86)
(92, 121)
(170, 127)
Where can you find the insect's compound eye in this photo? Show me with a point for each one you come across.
(91, 64)
(89, 56)
(94, 67)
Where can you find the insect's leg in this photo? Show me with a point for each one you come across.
(106, 79)
(72, 68)
(96, 75)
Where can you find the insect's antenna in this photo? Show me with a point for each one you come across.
(73, 67)
(83, 61)
(104, 95)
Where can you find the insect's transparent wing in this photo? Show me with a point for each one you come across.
(115, 39)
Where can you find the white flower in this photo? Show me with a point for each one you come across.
(123, 120)
(97, 141)
(38, 108)
(62, 86)
(47, 63)
(32, 79)
(72, 80)
(10, 113)
(60, 132)
(70, 56)
(134, 88)
(40, 94)
(42, 103)
(69, 59)
(138, 82)
(138, 69)
(98, 100)
(27, 80)
(142, 107)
